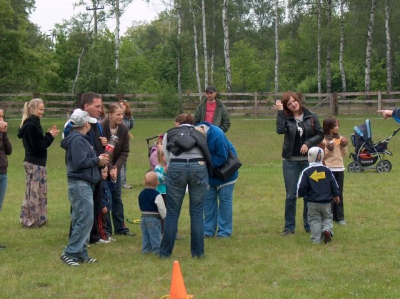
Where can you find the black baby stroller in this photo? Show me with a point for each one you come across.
(367, 153)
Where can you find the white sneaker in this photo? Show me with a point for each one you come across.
(111, 239)
(342, 222)
(101, 241)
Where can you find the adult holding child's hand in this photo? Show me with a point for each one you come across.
(302, 130)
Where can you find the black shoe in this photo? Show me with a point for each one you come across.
(2, 247)
(327, 236)
(127, 233)
(286, 233)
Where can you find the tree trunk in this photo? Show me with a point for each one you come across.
(319, 46)
(196, 50)
(117, 39)
(276, 46)
(341, 51)
(214, 26)
(369, 48)
(389, 62)
(179, 79)
(328, 47)
(203, 13)
(228, 75)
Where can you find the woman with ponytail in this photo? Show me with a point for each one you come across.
(35, 141)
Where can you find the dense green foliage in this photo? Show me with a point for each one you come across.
(76, 59)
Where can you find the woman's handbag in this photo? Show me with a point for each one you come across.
(226, 170)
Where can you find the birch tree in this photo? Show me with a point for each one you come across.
(179, 79)
(369, 47)
(319, 46)
(203, 13)
(328, 46)
(196, 51)
(389, 63)
(276, 46)
(341, 49)
(228, 75)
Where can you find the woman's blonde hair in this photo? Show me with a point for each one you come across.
(26, 111)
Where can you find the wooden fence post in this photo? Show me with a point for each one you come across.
(255, 105)
(379, 100)
(334, 104)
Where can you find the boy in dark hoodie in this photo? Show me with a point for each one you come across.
(318, 184)
(83, 174)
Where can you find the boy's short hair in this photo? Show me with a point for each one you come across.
(151, 179)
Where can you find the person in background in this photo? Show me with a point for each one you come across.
(213, 111)
(113, 125)
(335, 150)
(5, 150)
(320, 190)
(189, 163)
(218, 208)
(153, 158)
(35, 141)
(129, 121)
(153, 210)
(302, 130)
(83, 174)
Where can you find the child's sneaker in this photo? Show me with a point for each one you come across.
(101, 241)
(111, 239)
(68, 261)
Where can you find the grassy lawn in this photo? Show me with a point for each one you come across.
(255, 262)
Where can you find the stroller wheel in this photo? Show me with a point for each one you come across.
(354, 167)
(384, 166)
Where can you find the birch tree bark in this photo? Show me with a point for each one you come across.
(369, 47)
(276, 46)
(196, 51)
(389, 62)
(203, 13)
(328, 47)
(117, 39)
(225, 26)
(341, 50)
(179, 79)
(319, 46)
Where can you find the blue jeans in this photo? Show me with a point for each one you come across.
(117, 212)
(218, 214)
(151, 234)
(3, 187)
(291, 173)
(80, 194)
(179, 175)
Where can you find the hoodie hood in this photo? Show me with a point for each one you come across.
(67, 140)
(32, 120)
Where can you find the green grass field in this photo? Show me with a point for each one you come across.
(255, 262)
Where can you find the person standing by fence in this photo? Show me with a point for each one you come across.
(302, 131)
(5, 150)
(34, 206)
(213, 111)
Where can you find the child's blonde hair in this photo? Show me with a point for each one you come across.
(151, 179)
(26, 111)
(160, 155)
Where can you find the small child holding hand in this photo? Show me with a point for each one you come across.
(153, 209)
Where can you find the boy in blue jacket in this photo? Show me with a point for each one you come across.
(319, 185)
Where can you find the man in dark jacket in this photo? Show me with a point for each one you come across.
(212, 110)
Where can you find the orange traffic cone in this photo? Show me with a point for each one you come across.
(178, 290)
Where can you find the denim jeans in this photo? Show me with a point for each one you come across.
(117, 212)
(291, 173)
(320, 217)
(3, 187)
(218, 214)
(151, 234)
(80, 194)
(180, 174)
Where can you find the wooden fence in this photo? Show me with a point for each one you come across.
(251, 104)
